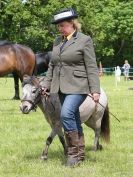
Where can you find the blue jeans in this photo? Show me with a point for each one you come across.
(70, 115)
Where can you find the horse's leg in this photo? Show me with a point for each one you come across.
(49, 140)
(96, 145)
(16, 86)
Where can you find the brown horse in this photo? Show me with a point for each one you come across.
(18, 60)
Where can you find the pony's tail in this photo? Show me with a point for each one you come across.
(105, 125)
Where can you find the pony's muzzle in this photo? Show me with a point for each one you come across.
(24, 109)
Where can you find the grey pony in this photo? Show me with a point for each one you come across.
(93, 115)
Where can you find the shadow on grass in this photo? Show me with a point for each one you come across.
(56, 155)
(5, 99)
(52, 155)
(91, 155)
(10, 111)
(9, 99)
(88, 148)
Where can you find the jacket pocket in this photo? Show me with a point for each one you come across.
(79, 73)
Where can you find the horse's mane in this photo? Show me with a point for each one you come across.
(32, 80)
(5, 42)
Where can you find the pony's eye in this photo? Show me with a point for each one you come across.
(34, 90)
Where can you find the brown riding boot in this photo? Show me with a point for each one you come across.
(81, 148)
(72, 144)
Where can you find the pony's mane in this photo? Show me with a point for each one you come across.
(32, 80)
(5, 42)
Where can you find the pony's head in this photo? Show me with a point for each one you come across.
(30, 94)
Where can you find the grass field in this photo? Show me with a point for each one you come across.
(22, 139)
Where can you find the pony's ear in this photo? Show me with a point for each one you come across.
(32, 80)
(41, 79)
(26, 79)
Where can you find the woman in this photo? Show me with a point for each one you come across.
(73, 74)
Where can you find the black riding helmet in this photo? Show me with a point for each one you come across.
(64, 14)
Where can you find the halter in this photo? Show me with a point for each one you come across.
(33, 107)
(36, 101)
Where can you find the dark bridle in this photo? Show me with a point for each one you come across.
(37, 99)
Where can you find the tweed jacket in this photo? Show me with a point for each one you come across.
(73, 70)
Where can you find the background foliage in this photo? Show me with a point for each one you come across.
(109, 22)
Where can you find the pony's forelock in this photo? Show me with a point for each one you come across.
(32, 80)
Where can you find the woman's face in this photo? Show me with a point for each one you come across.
(65, 28)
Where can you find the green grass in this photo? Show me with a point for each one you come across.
(22, 139)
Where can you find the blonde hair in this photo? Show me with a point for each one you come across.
(77, 25)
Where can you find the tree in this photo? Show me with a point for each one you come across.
(109, 23)
(112, 30)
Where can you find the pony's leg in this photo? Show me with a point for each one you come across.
(62, 140)
(96, 145)
(16, 86)
(49, 140)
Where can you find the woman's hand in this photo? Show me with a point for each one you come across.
(44, 91)
(95, 97)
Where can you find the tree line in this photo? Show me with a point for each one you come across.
(108, 22)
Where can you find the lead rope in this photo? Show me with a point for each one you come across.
(105, 108)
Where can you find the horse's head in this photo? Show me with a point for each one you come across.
(30, 94)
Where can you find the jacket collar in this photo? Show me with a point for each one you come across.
(70, 41)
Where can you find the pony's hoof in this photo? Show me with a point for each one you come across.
(99, 147)
(44, 157)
